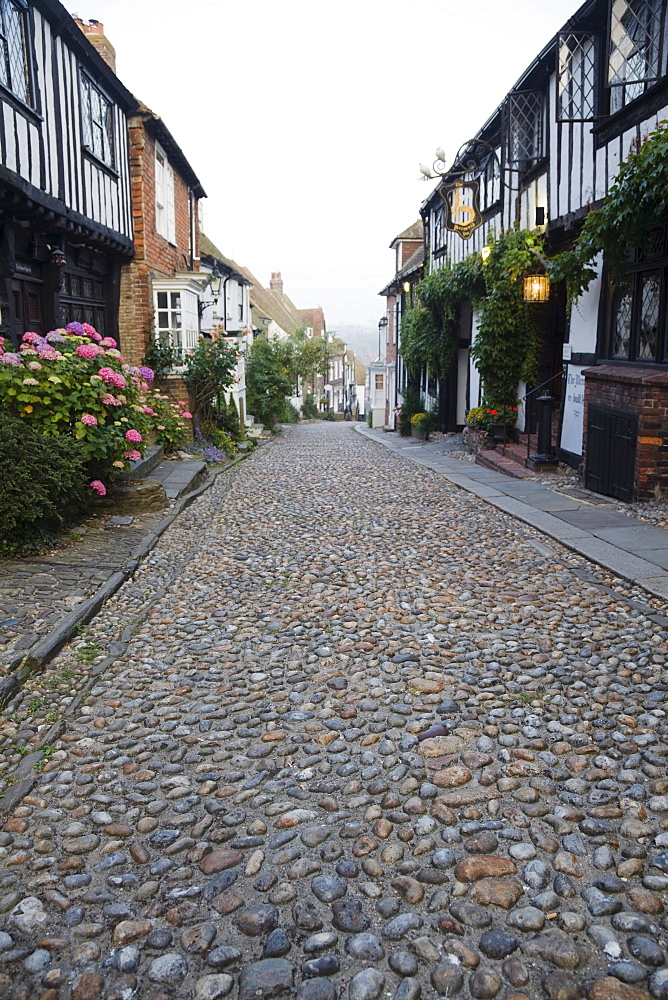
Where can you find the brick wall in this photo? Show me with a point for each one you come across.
(641, 391)
(153, 253)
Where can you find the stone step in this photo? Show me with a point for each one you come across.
(143, 467)
(495, 460)
(179, 477)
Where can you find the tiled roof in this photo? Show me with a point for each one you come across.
(412, 265)
(209, 249)
(414, 232)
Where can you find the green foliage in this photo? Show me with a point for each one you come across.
(505, 347)
(636, 204)
(170, 429)
(423, 424)
(412, 403)
(227, 418)
(290, 414)
(309, 357)
(485, 417)
(430, 330)
(327, 415)
(43, 482)
(309, 408)
(270, 379)
(75, 384)
(220, 439)
(210, 369)
(162, 357)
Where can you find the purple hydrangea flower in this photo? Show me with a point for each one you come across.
(10, 359)
(147, 373)
(77, 329)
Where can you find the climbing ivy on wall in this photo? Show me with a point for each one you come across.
(429, 331)
(505, 347)
(636, 204)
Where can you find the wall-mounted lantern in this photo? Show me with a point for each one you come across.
(536, 288)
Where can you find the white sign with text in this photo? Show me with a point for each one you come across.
(572, 427)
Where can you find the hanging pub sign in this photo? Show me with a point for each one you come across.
(462, 207)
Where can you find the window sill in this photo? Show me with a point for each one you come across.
(34, 116)
(100, 163)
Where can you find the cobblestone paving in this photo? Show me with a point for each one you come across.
(372, 739)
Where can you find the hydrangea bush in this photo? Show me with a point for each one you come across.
(75, 383)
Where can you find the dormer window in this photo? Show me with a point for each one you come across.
(14, 64)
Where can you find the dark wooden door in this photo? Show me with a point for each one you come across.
(27, 313)
(611, 452)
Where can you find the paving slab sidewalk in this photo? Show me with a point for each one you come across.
(629, 548)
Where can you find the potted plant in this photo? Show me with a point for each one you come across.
(423, 424)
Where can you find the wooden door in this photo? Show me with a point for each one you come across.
(27, 312)
(611, 452)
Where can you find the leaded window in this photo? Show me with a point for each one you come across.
(576, 77)
(14, 62)
(639, 306)
(635, 59)
(525, 128)
(439, 229)
(97, 114)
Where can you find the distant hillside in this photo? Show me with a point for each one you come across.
(362, 339)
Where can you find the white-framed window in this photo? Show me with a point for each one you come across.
(165, 221)
(97, 118)
(176, 312)
(14, 62)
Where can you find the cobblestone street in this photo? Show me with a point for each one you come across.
(369, 738)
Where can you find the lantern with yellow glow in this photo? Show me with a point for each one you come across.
(536, 288)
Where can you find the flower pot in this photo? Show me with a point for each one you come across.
(502, 433)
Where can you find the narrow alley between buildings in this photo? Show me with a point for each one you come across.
(369, 737)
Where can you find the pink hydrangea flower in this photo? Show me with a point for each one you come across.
(29, 337)
(108, 342)
(132, 455)
(87, 351)
(35, 365)
(11, 359)
(89, 420)
(48, 353)
(87, 329)
(99, 487)
(109, 400)
(186, 415)
(133, 435)
(112, 378)
(147, 409)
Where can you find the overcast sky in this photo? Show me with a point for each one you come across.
(305, 120)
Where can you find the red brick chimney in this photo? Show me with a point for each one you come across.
(94, 32)
(276, 283)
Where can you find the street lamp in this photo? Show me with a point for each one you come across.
(382, 323)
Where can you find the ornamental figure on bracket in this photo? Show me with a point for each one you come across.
(462, 207)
